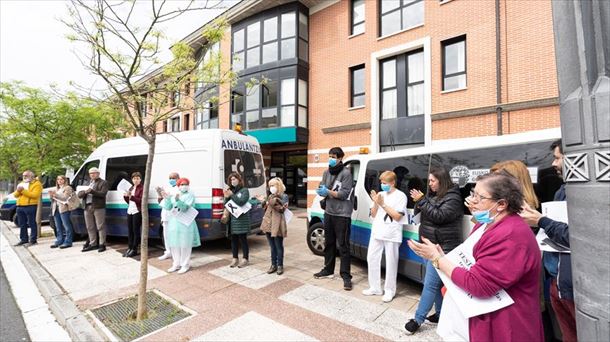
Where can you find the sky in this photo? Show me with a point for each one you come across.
(34, 48)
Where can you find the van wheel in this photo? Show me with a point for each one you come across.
(315, 238)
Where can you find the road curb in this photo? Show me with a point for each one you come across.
(63, 308)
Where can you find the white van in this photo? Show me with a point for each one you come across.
(205, 157)
(465, 159)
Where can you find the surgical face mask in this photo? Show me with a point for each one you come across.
(172, 182)
(332, 162)
(273, 189)
(484, 216)
(234, 182)
(385, 187)
(184, 188)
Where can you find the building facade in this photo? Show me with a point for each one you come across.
(383, 75)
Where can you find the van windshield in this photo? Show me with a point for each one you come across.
(249, 165)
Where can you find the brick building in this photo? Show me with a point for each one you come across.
(384, 75)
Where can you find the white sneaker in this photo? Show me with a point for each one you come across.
(165, 256)
(173, 269)
(184, 269)
(387, 297)
(371, 292)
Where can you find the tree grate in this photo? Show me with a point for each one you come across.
(119, 317)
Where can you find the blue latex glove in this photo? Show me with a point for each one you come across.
(322, 190)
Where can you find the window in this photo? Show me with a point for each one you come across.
(187, 121)
(238, 50)
(399, 15)
(175, 98)
(207, 116)
(287, 102)
(302, 114)
(357, 17)
(252, 107)
(269, 104)
(143, 106)
(121, 168)
(357, 86)
(288, 43)
(208, 73)
(402, 85)
(303, 37)
(454, 63)
(175, 123)
(248, 164)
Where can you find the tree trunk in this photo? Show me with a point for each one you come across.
(142, 309)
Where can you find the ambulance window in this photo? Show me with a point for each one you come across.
(411, 173)
(82, 177)
(354, 168)
(465, 166)
(122, 168)
(249, 165)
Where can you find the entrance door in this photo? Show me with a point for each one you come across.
(291, 167)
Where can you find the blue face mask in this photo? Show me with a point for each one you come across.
(484, 216)
(385, 187)
(332, 162)
(172, 182)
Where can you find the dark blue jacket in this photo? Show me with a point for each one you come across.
(558, 232)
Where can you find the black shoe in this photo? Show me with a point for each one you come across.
(272, 269)
(90, 248)
(20, 243)
(131, 253)
(434, 318)
(32, 243)
(126, 252)
(323, 274)
(347, 284)
(54, 246)
(85, 246)
(65, 246)
(412, 326)
(101, 249)
(280, 270)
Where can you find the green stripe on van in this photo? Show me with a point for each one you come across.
(154, 206)
(274, 135)
(367, 225)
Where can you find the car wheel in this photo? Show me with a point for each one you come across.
(315, 238)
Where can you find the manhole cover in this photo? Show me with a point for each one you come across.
(116, 316)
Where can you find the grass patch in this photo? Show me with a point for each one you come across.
(120, 317)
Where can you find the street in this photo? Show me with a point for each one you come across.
(291, 306)
(12, 327)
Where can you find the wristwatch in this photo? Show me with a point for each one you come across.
(435, 261)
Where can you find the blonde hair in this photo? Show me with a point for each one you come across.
(518, 170)
(66, 181)
(388, 176)
(278, 184)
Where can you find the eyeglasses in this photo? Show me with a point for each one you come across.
(478, 197)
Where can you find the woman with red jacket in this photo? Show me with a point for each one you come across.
(134, 214)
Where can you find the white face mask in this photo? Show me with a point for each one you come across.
(184, 188)
(273, 189)
(234, 183)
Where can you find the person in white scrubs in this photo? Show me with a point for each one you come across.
(389, 206)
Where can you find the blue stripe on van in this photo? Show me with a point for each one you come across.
(361, 234)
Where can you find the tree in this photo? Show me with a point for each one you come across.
(48, 133)
(124, 52)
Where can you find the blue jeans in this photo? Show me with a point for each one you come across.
(63, 228)
(26, 216)
(277, 249)
(431, 294)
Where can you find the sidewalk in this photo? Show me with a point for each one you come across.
(237, 304)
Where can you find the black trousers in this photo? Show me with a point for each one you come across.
(134, 224)
(235, 240)
(336, 237)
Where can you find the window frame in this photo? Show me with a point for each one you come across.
(444, 44)
(353, 94)
(352, 17)
(401, 85)
(400, 8)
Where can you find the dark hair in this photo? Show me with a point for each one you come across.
(444, 180)
(557, 143)
(337, 151)
(136, 174)
(237, 176)
(504, 186)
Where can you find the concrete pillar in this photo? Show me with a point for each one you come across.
(581, 47)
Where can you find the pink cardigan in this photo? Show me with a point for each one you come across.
(507, 257)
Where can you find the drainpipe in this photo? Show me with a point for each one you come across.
(498, 71)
